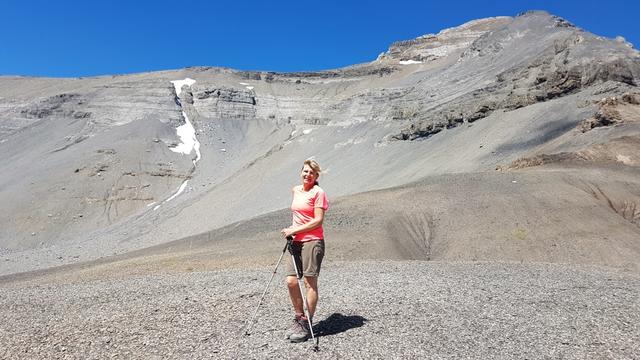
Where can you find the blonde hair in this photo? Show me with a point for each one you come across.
(313, 164)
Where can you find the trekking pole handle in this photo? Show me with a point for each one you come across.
(290, 243)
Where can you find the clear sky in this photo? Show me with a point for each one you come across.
(67, 38)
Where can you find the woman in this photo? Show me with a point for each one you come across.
(308, 207)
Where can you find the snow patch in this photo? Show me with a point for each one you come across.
(307, 131)
(249, 87)
(409, 62)
(179, 83)
(187, 134)
(180, 190)
(189, 141)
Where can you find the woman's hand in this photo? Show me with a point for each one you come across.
(286, 232)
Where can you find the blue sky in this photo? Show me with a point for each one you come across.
(82, 38)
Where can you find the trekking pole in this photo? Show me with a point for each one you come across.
(250, 323)
(302, 293)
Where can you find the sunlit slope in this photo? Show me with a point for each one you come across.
(90, 168)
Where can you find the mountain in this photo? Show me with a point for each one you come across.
(507, 138)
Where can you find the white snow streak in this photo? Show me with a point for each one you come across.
(179, 83)
(180, 190)
(187, 135)
(186, 132)
(409, 62)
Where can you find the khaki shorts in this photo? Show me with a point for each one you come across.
(308, 257)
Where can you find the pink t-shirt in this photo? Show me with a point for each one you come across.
(303, 210)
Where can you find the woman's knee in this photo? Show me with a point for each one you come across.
(292, 281)
(311, 282)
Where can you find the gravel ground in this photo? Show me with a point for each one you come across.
(367, 310)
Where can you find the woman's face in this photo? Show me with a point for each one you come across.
(308, 176)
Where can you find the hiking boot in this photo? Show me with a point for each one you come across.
(295, 326)
(302, 333)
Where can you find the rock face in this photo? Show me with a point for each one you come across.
(614, 110)
(89, 168)
(431, 47)
(562, 60)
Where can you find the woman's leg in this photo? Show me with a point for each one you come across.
(311, 283)
(309, 260)
(314, 255)
(294, 294)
